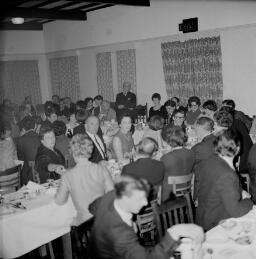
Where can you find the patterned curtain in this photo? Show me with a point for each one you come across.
(64, 73)
(193, 67)
(126, 68)
(19, 79)
(104, 75)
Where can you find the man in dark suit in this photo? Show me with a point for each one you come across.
(205, 148)
(145, 167)
(125, 101)
(92, 129)
(98, 99)
(113, 234)
(27, 145)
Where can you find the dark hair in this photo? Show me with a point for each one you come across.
(59, 128)
(55, 95)
(48, 105)
(229, 103)
(206, 122)
(128, 184)
(156, 95)
(147, 146)
(81, 116)
(123, 116)
(176, 98)
(98, 97)
(223, 119)
(87, 100)
(180, 110)
(175, 136)
(4, 126)
(210, 105)
(194, 99)
(49, 111)
(228, 109)
(81, 104)
(27, 123)
(78, 145)
(170, 103)
(44, 130)
(227, 143)
(156, 122)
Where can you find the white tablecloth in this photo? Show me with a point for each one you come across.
(42, 221)
(221, 240)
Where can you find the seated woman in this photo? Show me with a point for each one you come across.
(170, 107)
(157, 109)
(219, 192)
(179, 117)
(179, 161)
(7, 148)
(72, 122)
(89, 105)
(194, 110)
(155, 124)
(49, 161)
(123, 144)
(86, 181)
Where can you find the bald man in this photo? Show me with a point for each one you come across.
(125, 101)
(144, 166)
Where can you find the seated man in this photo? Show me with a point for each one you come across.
(125, 101)
(194, 110)
(145, 167)
(113, 234)
(85, 182)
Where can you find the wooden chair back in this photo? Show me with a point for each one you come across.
(171, 213)
(180, 184)
(10, 178)
(35, 174)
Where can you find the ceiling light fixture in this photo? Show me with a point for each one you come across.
(18, 20)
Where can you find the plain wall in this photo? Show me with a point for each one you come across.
(144, 28)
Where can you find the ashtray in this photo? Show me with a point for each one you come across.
(228, 224)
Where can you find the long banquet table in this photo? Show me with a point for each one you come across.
(23, 230)
(224, 240)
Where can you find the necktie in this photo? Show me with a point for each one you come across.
(102, 152)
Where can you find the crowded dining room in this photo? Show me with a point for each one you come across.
(127, 129)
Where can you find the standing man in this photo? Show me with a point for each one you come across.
(125, 101)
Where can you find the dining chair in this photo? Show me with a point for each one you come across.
(171, 213)
(10, 178)
(35, 174)
(81, 238)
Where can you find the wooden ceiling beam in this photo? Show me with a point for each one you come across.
(27, 26)
(42, 13)
(122, 2)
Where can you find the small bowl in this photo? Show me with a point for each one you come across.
(228, 224)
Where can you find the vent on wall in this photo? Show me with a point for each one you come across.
(189, 25)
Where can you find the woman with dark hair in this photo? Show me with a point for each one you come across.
(8, 152)
(155, 124)
(170, 107)
(88, 103)
(49, 161)
(122, 144)
(194, 111)
(179, 161)
(219, 192)
(157, 108)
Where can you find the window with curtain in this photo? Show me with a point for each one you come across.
(126, 68)
(104, 75)
(19, 79)
(193, 67)
(64, 74)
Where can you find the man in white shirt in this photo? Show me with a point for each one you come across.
(85, 182)
(99, 153)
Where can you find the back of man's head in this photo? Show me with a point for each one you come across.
(147, 147)
(28, 123)
(205, 123)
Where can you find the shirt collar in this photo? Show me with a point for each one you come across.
(125, 216)
(229, 160)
